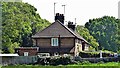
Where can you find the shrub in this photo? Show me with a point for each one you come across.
(85, 62)
(101, 62)
(54, 61)
(93, 54)
(60, 61)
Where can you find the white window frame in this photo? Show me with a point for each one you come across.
(25, 53)
(54, 42)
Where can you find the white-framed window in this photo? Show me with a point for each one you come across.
(25, 53)
(54, 41)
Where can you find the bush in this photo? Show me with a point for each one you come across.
(54, 61)
(93, 54)
(96, 60)
(85, 62)
(60, 61)
(101, 62)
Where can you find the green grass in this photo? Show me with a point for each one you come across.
(91, 65)
(0, 66)
(98, 64)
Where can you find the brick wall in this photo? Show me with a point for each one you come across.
(31, 51)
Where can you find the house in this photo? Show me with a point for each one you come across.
(58, 39)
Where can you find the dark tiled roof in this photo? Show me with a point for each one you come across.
(63, 50)
(57, 29)
(81, 37)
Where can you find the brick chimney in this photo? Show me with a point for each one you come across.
(71, 26)
(59, 17)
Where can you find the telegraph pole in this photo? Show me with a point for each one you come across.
(64, 8)
(54, 9)
(75, 21)
(64, 11)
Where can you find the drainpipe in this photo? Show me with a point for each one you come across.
(59, 44)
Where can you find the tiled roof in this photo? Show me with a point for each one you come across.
(57, 29)
(64, 50)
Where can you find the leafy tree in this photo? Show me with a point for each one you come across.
(19, 22)
(105, 31)
(118, 36)
(84, 32)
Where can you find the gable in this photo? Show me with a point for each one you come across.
(56, 29)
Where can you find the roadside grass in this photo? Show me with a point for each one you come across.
(0, 66)
(98, 64)
(91, 65)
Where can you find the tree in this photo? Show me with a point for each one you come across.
(84, 32)
(118, 36)
(105, 31)
(19, 22)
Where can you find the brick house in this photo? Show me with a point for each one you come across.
(58, 39)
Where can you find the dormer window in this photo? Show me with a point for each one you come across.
(54, 41)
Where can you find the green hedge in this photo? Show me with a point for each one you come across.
(54, 61)
(96, 60)
(94, 54)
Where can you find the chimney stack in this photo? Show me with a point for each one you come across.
(59, 17)
(71, 26)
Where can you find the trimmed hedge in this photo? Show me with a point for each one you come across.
(96, 60)
(94, 54)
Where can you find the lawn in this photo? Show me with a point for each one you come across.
(91, 65)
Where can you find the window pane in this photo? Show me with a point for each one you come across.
(25, 53)
(57, 41)
(54, 41)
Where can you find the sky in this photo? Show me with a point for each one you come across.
(82, 10)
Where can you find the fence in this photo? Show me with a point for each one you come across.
(19, 60)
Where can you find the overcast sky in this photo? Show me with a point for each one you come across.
(82, 10)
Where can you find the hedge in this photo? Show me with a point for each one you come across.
(54, 61)
(94, 54)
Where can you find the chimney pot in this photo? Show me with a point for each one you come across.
(71, 25)
(59, 17)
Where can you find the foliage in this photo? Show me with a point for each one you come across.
(105, 31)
(101, 62)
(54, 61)
(94, 54)
(97, 59)
(118, 37)
(19, 22)
(86, 62)
(118, 51)
(84, 32)
(93, 65)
